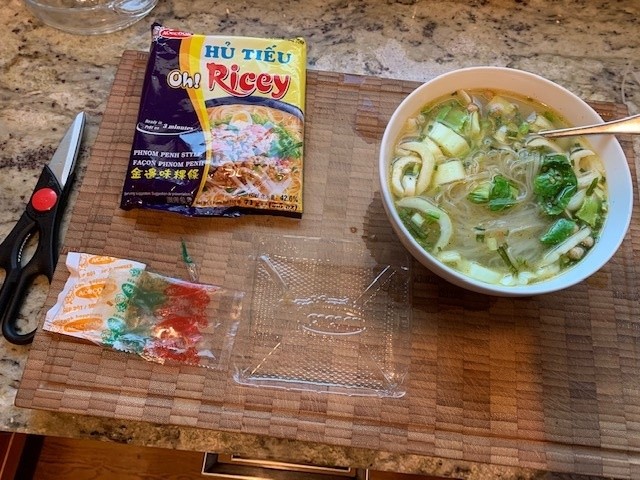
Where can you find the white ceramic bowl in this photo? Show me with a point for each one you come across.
(576, 112)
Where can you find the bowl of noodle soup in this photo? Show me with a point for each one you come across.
(479, 197)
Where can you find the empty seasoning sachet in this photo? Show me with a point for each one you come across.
(118, 303)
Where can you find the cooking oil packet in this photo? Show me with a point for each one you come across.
(220, 126)
(120, 304)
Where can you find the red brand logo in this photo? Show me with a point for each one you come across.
(171, 33)
(238, 84)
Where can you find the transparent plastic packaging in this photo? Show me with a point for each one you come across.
(119, 304)
(326, 316)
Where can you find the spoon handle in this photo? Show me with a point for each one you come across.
(624, 125)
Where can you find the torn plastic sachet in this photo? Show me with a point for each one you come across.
(120, 304)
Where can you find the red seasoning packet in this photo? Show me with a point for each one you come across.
(220, 126)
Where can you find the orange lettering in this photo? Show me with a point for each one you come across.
(95, 290)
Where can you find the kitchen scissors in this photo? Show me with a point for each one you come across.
(42, 216)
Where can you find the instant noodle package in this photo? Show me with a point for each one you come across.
(220, 126)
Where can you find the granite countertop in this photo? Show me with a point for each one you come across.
(46, 76)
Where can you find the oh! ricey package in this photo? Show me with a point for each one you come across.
(220, 130)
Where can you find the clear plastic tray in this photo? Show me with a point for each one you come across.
(327, 316)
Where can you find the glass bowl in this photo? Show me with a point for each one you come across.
(90, 17)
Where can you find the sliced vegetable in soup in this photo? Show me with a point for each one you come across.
(476, 186)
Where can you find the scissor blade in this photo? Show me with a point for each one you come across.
(64, 160)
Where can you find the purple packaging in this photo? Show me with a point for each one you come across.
(220, 126)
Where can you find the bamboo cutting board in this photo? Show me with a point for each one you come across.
(548, 383)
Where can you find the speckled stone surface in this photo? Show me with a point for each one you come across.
(46, 76)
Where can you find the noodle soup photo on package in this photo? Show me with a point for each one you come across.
(220, 129)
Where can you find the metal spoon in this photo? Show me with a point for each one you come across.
(624, 125)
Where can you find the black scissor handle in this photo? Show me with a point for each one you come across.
(10, 251)
(18, 278)
(45, 257)
(11, 309)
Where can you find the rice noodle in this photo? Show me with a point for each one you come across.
(517, 228)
